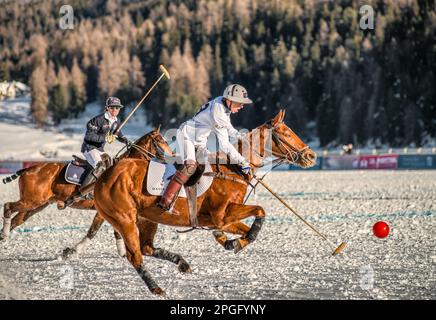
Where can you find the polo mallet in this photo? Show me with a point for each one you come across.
(332, 245)
(110, 137)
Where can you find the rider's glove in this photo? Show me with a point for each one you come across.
(124, 140)
(245, 167)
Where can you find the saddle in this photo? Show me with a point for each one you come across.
(159, 175)
(79, 161)
(78, 169)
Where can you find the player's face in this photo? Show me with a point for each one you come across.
(114, 111)
(235, 106)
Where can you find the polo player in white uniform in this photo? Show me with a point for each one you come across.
(214, 116)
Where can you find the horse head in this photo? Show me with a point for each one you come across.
(287, 145)
(154, 144)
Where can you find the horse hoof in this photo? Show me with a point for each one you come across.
(68, 253)
(185, 268)
(217, 234)
(158, 291)
(3, 237)
(61, 205)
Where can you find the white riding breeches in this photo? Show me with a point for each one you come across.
(93, 157)
(186, 148)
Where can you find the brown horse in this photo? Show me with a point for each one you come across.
(44, 184)
(152, 145)
(220, 208)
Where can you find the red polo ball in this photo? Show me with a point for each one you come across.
(381, 229)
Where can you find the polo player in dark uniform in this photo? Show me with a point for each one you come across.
(93, 144)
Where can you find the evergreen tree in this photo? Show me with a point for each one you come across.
(58, 104)
(39, 93)
(77, 89)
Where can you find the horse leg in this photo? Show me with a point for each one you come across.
(237, 212)
(235, 228)
(8, 209)
(147, 232)
(129, 231)
(25, 212)
(22, 217)
(121, 248)
(67, 253)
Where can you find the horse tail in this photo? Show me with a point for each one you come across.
(14, 176)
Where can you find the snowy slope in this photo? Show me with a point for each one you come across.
(21, 140)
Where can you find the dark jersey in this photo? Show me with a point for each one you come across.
(96, 130)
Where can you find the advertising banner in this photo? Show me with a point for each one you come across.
(340, 162)
(417, 162)
(7, 167)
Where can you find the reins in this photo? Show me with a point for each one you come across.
(145, 153)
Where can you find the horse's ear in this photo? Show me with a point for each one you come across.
(158, 129)
(278, 118)
(283, 115)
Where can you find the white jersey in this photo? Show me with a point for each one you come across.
(214, 116)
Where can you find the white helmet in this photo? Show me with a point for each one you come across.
(237, 93)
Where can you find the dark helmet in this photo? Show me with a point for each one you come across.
(113, 101)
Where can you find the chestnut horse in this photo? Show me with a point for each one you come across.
(220, 208)
(43, 184)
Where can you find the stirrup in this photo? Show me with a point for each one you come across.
(168, 210)
(66, 203)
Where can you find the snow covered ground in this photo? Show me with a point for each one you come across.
(288, 261)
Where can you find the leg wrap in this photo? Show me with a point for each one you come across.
(189, 168)
(121, 248)
(82, 244)
(255, 228)
(148, 279)
(166, 255)
(6, 228)
(229, 244)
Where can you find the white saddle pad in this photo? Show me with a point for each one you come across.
(159, 175)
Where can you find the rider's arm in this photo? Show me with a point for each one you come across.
(120, 133)
(224, 144)
(92, 129)
(223, 128)
(223, 120)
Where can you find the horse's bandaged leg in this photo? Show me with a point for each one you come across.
(148, 279)
(82, 245)
(121, 248)
(255, 228)
(6, 228)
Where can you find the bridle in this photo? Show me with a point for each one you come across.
(160, 153)
(287, 151)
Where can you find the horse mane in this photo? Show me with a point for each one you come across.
(223, 159)
(138, 142)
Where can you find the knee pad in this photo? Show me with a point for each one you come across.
(189, 167)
